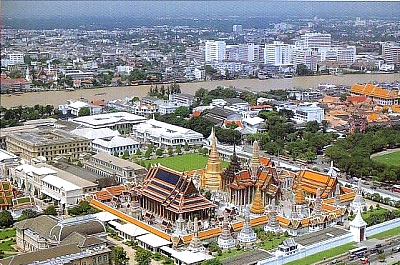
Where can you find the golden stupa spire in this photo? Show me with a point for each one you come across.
(213, 157)
(255, 159)
(211, 178)
(257, 207)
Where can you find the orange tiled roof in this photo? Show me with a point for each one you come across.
(237, 122)
(196, 113)
(356, 99)
(312, 180)
(260, 107)
(330, 99)
(12, 81)
(373, 91)
(395, 108)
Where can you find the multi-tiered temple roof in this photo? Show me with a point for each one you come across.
(165, 190)
(311, 180)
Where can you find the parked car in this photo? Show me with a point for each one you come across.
(396, 249)
(365, 260)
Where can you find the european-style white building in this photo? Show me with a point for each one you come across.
(164, 134)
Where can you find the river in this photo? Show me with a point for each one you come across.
(108, 93)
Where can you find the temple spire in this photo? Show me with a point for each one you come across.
(225, 240)
(257, 206)
(337, 194)
(318, 203)
(273, 224)
(255, 160)
(195, 244)
(358, 203)
(211, 178)
(27, 76)
(246, 235)
(180, 228)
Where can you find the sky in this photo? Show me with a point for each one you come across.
(50, 9)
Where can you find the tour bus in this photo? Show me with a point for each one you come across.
(396, 188)
(357, 252)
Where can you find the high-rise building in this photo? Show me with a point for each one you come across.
(277, 53)
(14, 59)
(315, 40)
(391, 53)
(346, 54)
(237, 28)
(215, 51)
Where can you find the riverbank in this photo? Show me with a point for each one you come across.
(108, 93)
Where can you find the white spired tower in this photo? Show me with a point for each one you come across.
(358, 204)
(358, 228)
(27, 76)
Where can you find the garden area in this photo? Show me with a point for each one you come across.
(7, 233)
(389, 159)
(182, 163)
(376, 215)
(7, 240)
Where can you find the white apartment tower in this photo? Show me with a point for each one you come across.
(15, 58)
(391, 53)
(277, 53)
(215, 51)
(316, 40)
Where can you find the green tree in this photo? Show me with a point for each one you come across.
(182, 112)
(178, 150)
(126, 154)
(120, 257)
(148, 152)
(85, 111)
(159, 152)
(28, 213)
(6, 219)
(170, 151)
(343, 97)
(138, 152)
(186, 147)
(142, 256)
(312, 126)
(303, 70)
(50, 210)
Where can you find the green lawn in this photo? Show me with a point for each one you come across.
(183, 162)
(6, 245)
(266, 244)
(7, 233)
(391, 159)
(24, 200)
(388, 233)
(324, 254)
(230, 253)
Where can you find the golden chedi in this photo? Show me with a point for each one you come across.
(257, 207)
(211, 178)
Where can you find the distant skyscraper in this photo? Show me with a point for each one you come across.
(237, 28)
(215, 51)
(277, 53)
